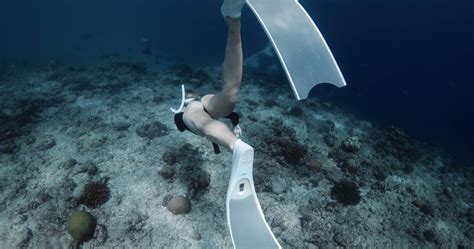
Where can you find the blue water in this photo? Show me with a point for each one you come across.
(407, 63)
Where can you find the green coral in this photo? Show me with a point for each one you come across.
(81, 226)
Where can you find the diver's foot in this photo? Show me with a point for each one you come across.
(242, 156)
(232, 8)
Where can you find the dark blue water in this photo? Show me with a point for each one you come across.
(407, 63)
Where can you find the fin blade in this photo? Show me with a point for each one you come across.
(302, 50)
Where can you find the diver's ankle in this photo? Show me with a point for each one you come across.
(232, 144)
(233, 24)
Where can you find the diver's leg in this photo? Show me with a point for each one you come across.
(223, 103)
(201, 123)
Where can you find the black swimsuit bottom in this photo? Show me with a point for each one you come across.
(178, 120)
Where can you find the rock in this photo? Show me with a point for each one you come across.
(380, 186)
(424, 207)
(470, 216)
(167, 172)
(340, 239)
(7, 148)
(278, 185)
(366, 162)
(95, 140)
(448, 192)
(379, 174)
(351, 145)
(349, 167)
(86, 167)
(138, 67)
(25, 238)
(68, 164)
(408, 169)
(101, 234)
(330, 140)
(196, 235)
(30, 139)
(315, 165)
(198, 182)
(296, 111)
(327, 126)
(76, 194)
(429, 235)
(46, 143)
(166, 199)
(18, 219)
(179, 205)
(153, 130)
(170, 157)
(121, 126)
(158, 99)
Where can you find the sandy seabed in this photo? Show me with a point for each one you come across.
(324, 178)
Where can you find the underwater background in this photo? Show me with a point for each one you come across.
(406, 63)
(86, 87)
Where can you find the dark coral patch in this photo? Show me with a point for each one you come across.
(94, 194)
(152, 130)
(346, 193)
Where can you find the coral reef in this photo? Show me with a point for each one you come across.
(81, 226)
(399, 145)
(94, 194)
(152, 130)
(179, 205)
(291, 151)
(346, 193)
(68, 133)
(351, 144)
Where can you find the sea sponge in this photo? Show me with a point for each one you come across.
(179, 205)
(81, 226)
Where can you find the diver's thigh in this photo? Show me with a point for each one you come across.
(195, 117)
(217, 105)
(206, 99)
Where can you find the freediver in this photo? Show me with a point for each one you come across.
(201, 114)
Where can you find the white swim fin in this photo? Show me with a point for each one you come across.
(302, 50)
(245, 218)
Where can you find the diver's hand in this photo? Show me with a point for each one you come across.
(232, 8)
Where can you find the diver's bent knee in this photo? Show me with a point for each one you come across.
(232, 99)
(231, 95)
